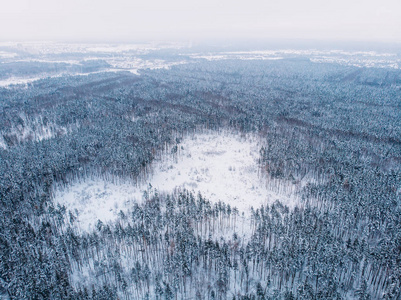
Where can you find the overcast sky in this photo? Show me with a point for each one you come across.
(131, 20)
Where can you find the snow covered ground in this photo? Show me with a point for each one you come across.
(48, 47)
(17, 80)
(130, 64)
(2, 143)
(369, 59)
(121, 57)
(97, 199)
(6, 54)
(133, 57)
(134, 64)
(33, 130)
(25, 80)
(222, 166)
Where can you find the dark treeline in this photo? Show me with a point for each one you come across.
(332, 131)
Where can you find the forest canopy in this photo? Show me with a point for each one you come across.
(332, 131)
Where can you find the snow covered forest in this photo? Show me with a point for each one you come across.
(199, 176)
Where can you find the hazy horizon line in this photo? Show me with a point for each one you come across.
(220, 42)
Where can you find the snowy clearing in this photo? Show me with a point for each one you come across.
(134, 64)
(2, 143)
(18, 80)
(221, 166)
(96, 199)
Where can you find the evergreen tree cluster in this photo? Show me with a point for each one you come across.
(331, 134)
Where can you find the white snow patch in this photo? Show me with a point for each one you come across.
(134, 64)
(2, 142)
(47, 47)
(55, 61)
(33, 129)
(97, 199)
(367, 59)
(221, 166)
(11, 81)
(17, 80)
(42, 132)
(5, 54)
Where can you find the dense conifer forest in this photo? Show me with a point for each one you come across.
(331, 133)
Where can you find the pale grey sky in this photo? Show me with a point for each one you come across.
(130, 20)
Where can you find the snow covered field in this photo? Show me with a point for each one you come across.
(47, 47)
(369, 59)
(121, 57)
(222, 166)
(18, 80)
(96, 199)
(133, 65)
(132, 57)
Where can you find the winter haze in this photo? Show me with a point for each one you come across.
(124, 20)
